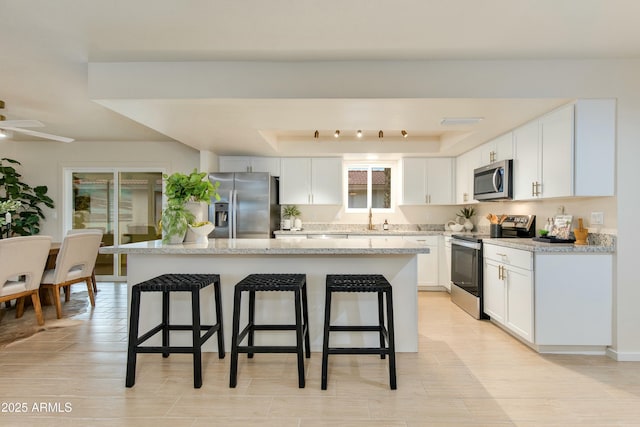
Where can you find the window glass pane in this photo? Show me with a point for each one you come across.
(139, 208)
(381, 187)
(93, 208)
(357, 188)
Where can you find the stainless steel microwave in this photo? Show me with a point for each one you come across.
(494, 181)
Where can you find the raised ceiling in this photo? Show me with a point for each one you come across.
(47, 46)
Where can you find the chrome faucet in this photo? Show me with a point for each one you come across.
(371, 227)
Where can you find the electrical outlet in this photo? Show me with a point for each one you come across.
(597, 218)
(560, 210)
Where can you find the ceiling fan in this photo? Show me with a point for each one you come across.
(19, 125)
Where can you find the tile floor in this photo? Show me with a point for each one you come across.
(467, 372)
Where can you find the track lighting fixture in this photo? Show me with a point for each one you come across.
(404, 133)
(359, 133)
(380, 134)
(316, 134)
(336, 134)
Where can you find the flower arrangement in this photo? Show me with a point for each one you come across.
(290, 211)
(466, 212)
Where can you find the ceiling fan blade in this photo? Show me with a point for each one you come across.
(21, 124)
(40, 134)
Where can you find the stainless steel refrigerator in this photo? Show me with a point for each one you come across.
(248, 207)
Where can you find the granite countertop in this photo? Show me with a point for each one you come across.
(354, 246)
(542, 247)
(363, 232)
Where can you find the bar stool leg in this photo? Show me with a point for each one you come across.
(197, 343)
(218, 303)
(392, 344)
(381, 322)
(305, 316)
(133, 338)
(165, 323)
(299, 338)
(252, 314)
(233, 371)
(325, 339)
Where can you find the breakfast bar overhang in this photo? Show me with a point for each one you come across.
(233, 259)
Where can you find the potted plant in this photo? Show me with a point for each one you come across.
(181, 190)
(26, 218)
(289, 213)
(466, 213)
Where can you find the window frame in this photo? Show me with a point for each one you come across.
(369, 165)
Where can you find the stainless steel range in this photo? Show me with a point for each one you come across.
(467, 262)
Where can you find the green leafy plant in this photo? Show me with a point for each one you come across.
(181, 188)
(175, 220)
(290, 211)
(26, 220)
(466, 212)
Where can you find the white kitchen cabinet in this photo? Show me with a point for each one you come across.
(427, 263)
(428, 181)
(500, 148)
(568, 152)
(526, 161)
(250, 164)
(555, 301)
(308, 181)
(508, 289)
(465, 164)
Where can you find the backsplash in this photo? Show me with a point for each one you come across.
(364, 227)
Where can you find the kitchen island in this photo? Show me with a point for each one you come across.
(233, 259)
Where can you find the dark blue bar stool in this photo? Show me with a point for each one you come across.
(166, 284)
(361, 283)
(296, 283)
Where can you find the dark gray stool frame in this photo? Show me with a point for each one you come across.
(296, 283)
(166, 284)
(361, 283)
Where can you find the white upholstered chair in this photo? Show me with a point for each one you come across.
(22, 261)
(75, 263)
(93, 273)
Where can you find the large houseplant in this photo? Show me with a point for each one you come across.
(181, 189)
(25, 218)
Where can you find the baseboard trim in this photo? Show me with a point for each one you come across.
(623, 356)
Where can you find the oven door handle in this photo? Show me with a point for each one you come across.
(471, 245)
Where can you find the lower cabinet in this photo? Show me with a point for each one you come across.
(555, 301)
(427, 263)
(508, 291)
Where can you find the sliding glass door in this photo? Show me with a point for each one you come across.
(125, 204)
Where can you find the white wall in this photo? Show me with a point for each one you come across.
(43, 162)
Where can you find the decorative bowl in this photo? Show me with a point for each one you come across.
(456, 227)
(202, 232)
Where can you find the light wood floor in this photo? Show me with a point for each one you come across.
(467, 372)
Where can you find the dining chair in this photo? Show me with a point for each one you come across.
(22, 261)
(75, 263)
(93, 273)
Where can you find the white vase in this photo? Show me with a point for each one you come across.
(286, 224)
(297, 224)
(468, 225)
(200, 213)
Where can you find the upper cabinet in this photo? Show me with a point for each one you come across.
(465, 164)
(307, 181)
(568, 152)
(250, 164)
(500, 148)
(428, 181)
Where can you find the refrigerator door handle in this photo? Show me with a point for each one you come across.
(235, 213)
(230, 214)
